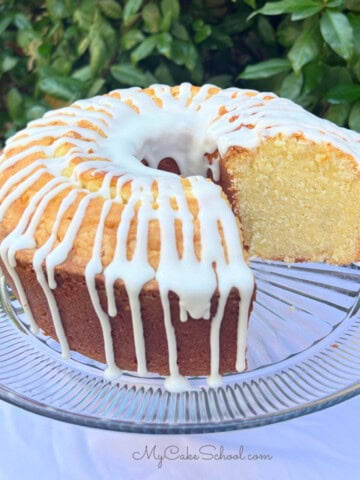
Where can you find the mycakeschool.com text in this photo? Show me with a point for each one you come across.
(206, 453)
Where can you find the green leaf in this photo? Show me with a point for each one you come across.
(307, 12)
(130, 11)
(274, 8)
(128, 74)
(72, 32)
(288, 31)
(251, 3)
(336, 75)
(354, 117)
(83, 18)
(103, 27)
(296, 7)
(111, 9)
(338, 113)
(338, 33)
(83, 46)
(355, 24)
(343, 93)
(143, 50)
(353, 5)
(62, 66)
(131, 38)
(166, 22)
(34, 112)
(356, 69)
(5, 22)
(202, 30)
(184, 53)
(334, 3)
(265, 69)
(196, 73)
(266, 31)
(98, 54)
(95, 87)
(164, 43)
(172, 6)
(57, 9)
(9, 63)
(179, 31)
(151, 16)
(22, 21)
(14, 103)
(83, 73)
(292, 85)
(306, 46)
(313, 74)
(64, 88)
(55, 30)
(44, 52)
(237, 22)
(70, 5)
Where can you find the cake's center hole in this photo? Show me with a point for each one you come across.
(167, 164)
(174, 143)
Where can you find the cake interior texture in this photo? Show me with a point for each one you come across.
(297, 200)
(122, 243)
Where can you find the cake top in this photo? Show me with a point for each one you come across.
(185, 122)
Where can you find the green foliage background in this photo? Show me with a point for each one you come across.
(53, 52)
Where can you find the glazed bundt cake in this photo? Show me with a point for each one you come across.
(126, 220)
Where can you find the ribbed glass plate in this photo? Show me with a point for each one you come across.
(303, 355)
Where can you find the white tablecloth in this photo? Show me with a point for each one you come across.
(322, 445)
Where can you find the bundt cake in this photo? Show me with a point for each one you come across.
(126, 220)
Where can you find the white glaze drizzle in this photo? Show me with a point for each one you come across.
(185, 128)
(38, 260)
(16, 238)
(93, 268)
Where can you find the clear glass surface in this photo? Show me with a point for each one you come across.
(303, 355)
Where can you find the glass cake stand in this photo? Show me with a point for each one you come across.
(303, 356)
